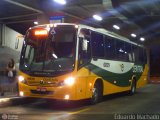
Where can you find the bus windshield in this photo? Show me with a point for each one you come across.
(49, 51)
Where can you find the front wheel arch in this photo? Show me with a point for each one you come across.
(97, 92)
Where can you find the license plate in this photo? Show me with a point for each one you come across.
(41, 89)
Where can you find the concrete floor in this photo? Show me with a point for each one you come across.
(145, 101)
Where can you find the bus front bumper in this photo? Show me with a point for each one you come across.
(60, 92)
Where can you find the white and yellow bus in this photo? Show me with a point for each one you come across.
(72, 62)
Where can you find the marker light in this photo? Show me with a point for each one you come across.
(41, 32)
(90, 84)
(51, 25)
(76, 26)
(69, 81)
(97, 17)
(66, 97)
(35, 22)
(55, 25)
(116, 27)
(63, 2)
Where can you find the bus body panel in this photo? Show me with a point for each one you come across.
(143, 79)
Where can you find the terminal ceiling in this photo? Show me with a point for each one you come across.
(132, 16)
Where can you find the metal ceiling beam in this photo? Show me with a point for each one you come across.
(24, 6)
(19, 16)
(109, 7)
(22, 21)
(79, 18)
(36, 10)
(107, 4)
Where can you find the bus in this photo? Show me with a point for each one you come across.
(65, 61)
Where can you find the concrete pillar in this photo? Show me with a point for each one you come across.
(43, 19)
(2, 42)
(0, 34)
(148, 62)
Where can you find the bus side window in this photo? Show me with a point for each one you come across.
(97, 45)
(128, 52)
(109, 48)
(84, 47)
(120, 50)
(130, 57)
(135, 54)
(29, 54)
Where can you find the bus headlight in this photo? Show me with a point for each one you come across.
(22, 80)
(69, 81)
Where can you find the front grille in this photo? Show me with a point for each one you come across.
(38, 83)
(42, 92)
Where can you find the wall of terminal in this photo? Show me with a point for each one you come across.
(11, 38)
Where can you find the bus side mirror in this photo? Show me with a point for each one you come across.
(84, 44)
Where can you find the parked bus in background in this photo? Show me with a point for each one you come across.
(73, 62)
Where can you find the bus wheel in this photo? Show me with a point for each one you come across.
(133, 87)
(96, 93)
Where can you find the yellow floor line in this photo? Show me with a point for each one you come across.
(76, 112)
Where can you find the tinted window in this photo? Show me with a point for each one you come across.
(139, 54)
(128, 52)
(120, 51)
(49, 53)
(109, 48)
(84, 55)
(135, 53)
(97, 45)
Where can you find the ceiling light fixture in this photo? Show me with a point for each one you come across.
(133, 35)
(62, 2)
(142, 39)
(116, 27)
(97, 17)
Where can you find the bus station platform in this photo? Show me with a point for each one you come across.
(7, 88)
(155, 79)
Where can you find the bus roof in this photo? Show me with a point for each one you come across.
(99, 30)
(111, 34)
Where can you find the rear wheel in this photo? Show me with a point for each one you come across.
(97, 93)
(133, 87)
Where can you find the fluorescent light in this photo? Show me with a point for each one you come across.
(133, 35)
(63, 2)
(97, 17)
(35, 22)
(142, 39)
(116, 27)
(54, 55)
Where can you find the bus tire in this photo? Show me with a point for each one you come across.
(133, 87)
(97, 93)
